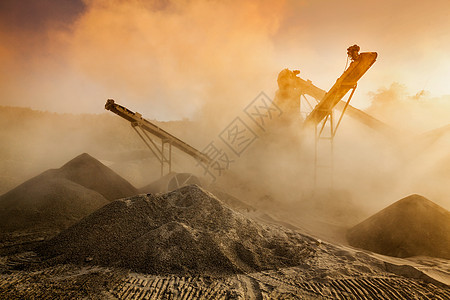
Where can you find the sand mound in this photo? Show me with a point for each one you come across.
(47, 201)
(58, 198)
(410, 227)
(184, 231)
(92, 174)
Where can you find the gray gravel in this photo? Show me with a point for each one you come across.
(187, 231)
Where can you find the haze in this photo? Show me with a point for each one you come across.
(179, 59)
(205, 61)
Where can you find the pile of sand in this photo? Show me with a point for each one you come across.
(411, 226)
(92, 174)
(47, 201)
(184, 231)
(58, 198)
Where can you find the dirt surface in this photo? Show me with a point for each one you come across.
(410, 227)
(333, 274)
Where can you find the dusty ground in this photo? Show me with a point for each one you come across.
(333, 274)
(329, 271)
(324, 266)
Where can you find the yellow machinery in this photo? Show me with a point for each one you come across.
(301, 87)
(343, 85)
(146, 127)
(292, 89)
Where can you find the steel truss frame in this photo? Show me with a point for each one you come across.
(159, 152)
(319, 136)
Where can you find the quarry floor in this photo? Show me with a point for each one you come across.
(24, 275)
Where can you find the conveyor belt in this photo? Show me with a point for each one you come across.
(136, 118)
(308, 88)
(343, 84)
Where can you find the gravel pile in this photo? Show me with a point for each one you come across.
(411, 226)
(92, 174)
(47, 202)
(187, 231)
(58, 198)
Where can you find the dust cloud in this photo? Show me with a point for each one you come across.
(169, 59)
(365, 171)
(414, 113)
(205, 61)
(369, 171)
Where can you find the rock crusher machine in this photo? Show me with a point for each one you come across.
(320, 115)
(146, 129)
(293, 101)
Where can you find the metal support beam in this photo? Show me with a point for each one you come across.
(166, 160)
(343, 84)
(305, 105)
(145, 125)
(157, 152)
(344, 109)
(147, 128)
(319, 136)
(146, 143)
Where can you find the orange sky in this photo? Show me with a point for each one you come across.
(172, 59)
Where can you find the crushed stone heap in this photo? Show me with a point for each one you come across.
(187, 231)
(58, 198)
(47, 202)
(412, 226)
(92, 174)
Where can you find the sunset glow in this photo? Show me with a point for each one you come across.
(173, 58)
